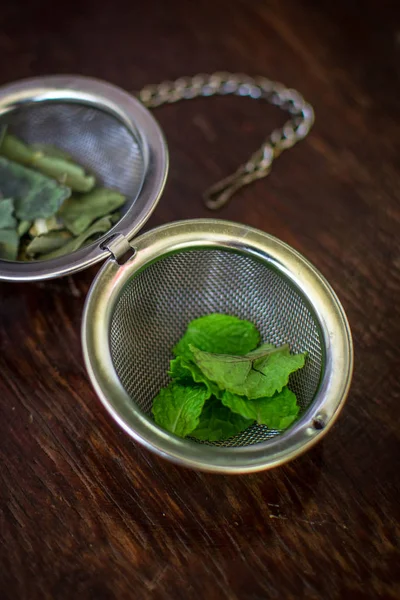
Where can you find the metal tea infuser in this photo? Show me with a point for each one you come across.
(151, 286)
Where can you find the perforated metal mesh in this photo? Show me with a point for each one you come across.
(157, 304)
(95, 139)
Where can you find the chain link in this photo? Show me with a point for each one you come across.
(259, 164)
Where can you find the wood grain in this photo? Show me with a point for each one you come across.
(85, 512)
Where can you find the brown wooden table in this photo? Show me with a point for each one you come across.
(87, 513)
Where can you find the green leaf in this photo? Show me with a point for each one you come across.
(115, 217)
(188, 373)
(16, 150)
(99, 227)
(222, 334)
(65, 172)
(177, 408)
(50, 150)
(43, 226)
(225, 370)
(58, 167)
(23, 227)
(35, 195)
(265, 350)
(9, 242)
(276, 366)
(78, 212)
(256, 375)
(219, 423)
(7, 219)
(3, 131)
(277, 412)
(47, 243)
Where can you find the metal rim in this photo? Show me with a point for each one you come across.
(210, 233)
(139, 121)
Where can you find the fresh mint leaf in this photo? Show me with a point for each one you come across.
(177, 408)
(222, 334)
(226, 370)
(256, 375)
(276, 366)
(277, 412)
(188, 373)
(219, 423)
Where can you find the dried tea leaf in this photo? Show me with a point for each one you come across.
(63, 170)
(99, 227)
(115, 217)
(22, 256)
(78, 212)
(47, 243)
(50, 150)
(7, 219)
(3, 130)
(9, 241)
(43, 226)
(23, 227)
(16, 150)
(35, 195)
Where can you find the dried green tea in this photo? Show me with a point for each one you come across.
(7, 218)
(99, 227)
(35, 195)
(9, 242)
(39, 219)
(58, 167)
(78, 212)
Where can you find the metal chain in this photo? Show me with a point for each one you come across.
(259, 164)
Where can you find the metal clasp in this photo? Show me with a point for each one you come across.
(119, 247)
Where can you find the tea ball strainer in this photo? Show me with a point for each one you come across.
(153, 285)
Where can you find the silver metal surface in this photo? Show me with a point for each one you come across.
(113, 135)
(107, 131)
(136, 312)
(221, 83)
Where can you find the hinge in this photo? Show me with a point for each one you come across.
(119, 247)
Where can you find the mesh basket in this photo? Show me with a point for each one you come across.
(136, 312)
(105, 130)
(96, 139)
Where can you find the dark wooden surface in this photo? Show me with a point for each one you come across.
(87, 513)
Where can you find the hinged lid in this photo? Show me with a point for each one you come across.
(110, 132)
